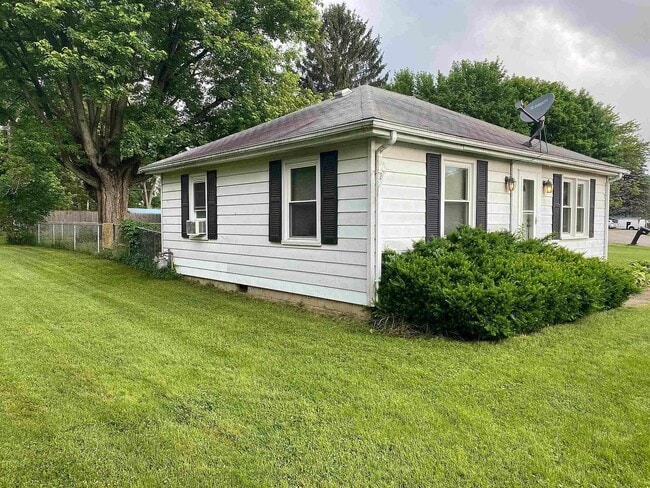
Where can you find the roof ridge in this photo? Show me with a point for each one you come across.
(369, 109)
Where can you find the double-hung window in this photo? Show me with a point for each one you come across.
(458, 196)
(302, 204)
(574, 207)
(198, 207)
(581, 197)
(567, 210)
(198, 199)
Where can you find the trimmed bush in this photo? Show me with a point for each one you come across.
(491, 285)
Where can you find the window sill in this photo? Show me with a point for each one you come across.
(569, 237)
(300, 243)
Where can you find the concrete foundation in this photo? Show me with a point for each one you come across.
(320, 305)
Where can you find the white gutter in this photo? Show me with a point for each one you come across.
(378, 178)
(423, 137)
(511, 213)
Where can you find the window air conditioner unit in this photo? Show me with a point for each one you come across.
(196, 227)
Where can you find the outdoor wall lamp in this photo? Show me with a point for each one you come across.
(548, 186)
(510, 183)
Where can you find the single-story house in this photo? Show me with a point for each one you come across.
(305, 204)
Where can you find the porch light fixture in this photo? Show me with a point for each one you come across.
(510, 183)
(548, 186)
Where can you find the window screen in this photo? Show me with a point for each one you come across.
(302, 204)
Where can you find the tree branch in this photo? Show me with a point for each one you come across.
(90, 180)
(79, 114)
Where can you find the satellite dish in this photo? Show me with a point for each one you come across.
(535, 110)
(534, 113)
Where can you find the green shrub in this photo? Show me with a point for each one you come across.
(641, 273)
(138, 245)
(479, 285)
(21, 235)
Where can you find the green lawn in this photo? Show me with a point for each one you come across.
(623, 254)
(110, 378)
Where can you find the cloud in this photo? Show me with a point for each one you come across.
(599, 46)
(542, 42)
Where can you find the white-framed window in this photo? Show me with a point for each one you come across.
(198, 206)
(575, 195)
(301, 202)
(458, 195)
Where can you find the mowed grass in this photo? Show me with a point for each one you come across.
(110, 378)
(621, 254)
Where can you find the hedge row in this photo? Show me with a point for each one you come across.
(479, 285)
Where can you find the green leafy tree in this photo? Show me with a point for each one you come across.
(421, 85)
(263, 99)
(77, 194)
(345, 55)
(403, 82)
(29, 187)
(146, 194)
(120, 83)
(478, 89)
(631, 195)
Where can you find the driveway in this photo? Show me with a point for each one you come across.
(617, 236)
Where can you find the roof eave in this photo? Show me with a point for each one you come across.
(418, 136)
(381, 129)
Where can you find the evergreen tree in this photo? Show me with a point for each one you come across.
(345, 55)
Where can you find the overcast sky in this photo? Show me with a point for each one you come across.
(600, 45)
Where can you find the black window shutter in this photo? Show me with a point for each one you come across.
(185, 204)
(329, 197)
(481, 194)
(275, 201)
(432, 196)
(592, 206)
(556, 220)
(211, 191)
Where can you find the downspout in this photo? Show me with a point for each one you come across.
(609, 181)
(512, 214)
(378, 178)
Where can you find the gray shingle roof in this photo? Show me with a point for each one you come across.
(369, 103)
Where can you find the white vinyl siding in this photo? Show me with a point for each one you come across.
(243, 254)
(403, 197)
(403, 193)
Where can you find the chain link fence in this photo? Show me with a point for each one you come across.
(140, 244)
(88, 236)
(80, 236)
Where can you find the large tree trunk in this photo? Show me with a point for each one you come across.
(113, 201)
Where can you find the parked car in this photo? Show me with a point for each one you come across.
(627, 223)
